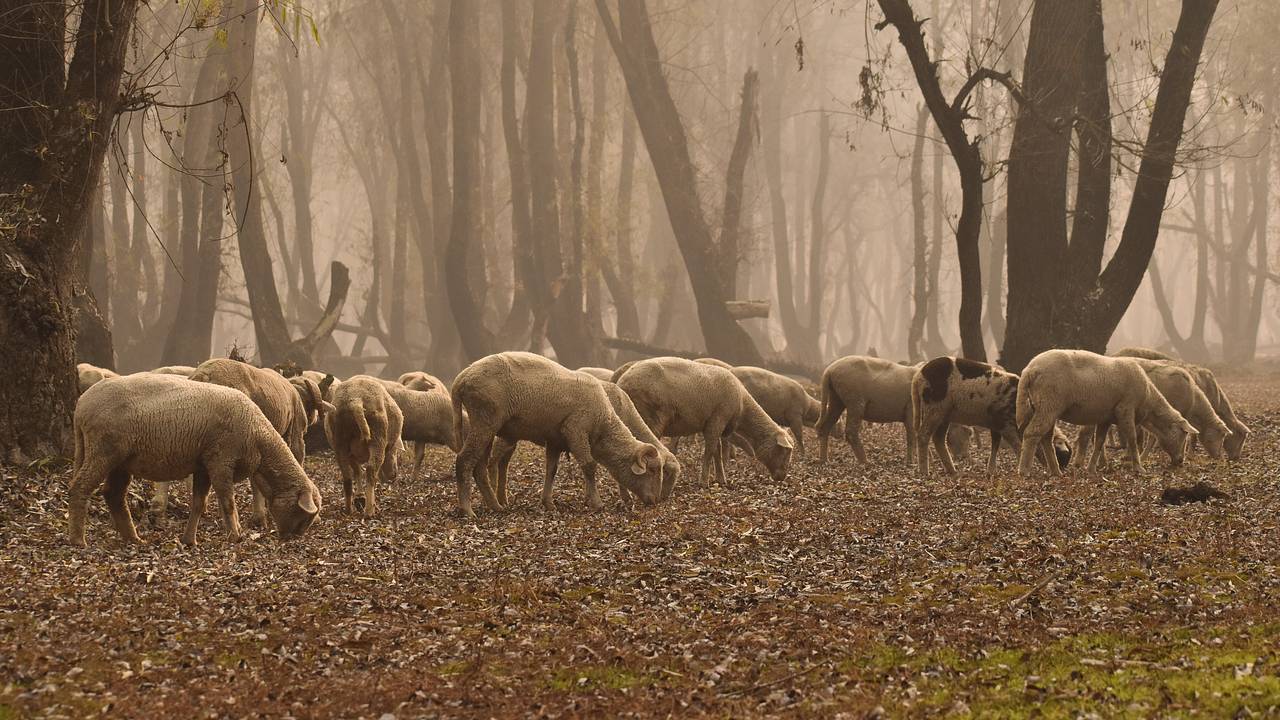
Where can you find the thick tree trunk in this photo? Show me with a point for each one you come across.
(54, 129)
(919, 245)
(623, 286)
(464, 70)
(659, 120)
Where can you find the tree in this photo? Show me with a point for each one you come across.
(663, 131)
(1059, 293)
(54, 128)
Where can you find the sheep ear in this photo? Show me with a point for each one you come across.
(326, 382)
(307, 503)
(784, 440)
(327, 407)
(646, 453)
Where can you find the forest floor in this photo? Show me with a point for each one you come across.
(844, 591)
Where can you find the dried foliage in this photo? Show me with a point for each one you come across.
(837, 592)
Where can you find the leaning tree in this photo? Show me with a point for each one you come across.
(55, 118)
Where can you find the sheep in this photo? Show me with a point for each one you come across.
(678, 397)
(278, 399)
(90, 375)
(717, 362)
(325, 381)
(1208, 383)
(182, 370)
(598, 373)
(312, 394)
(783, 399)
(364, 431)
(1180, 389)
(522, 396)
(428, 415)
(622, 370)
(1085, 388)
(164, 427)
(949, 390)
(418, 380)
(873, 390)
(503, 450)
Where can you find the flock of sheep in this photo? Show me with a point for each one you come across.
(226, 421)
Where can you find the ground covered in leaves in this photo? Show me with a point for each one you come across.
(843, 590)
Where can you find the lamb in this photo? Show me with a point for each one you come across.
(949, 390)
(1208, 383)
(598, 373)
(278, 399)
(1180, 389)
(522, 396)
(783, 399)
(503, 450)
(428, 415)
(677, 397)
(873, 390)
(90, 375)
(1085, 388)
(364, 431)
(164, 427)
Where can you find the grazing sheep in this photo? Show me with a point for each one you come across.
(783, 399)
(325, 381)
(164, 427)
(273, 394)
(873, 390)
(428, 415)
(364, 431)
(91, 375)
(1180, 389)
(418, 380)
(946, 390)
(504, 449)
(598, 373)
(522, 396)
(183, 370)
(1208, 383)
(679, 397)
(313, 399)
(1085, 388)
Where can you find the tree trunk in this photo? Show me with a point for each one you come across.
(659, 120)
(919, 245)
(771, 131)
(524, 309)
(54, 129)
(623, 287)
(464, 69)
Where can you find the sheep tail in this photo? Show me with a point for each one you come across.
(827, 391)
(362, 421)
(917, 389)
(1025, 408)
(457, 422)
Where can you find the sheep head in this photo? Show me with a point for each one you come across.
(775, 453)
(1173, 439)
(645, 477)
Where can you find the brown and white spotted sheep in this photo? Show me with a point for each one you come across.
(949, 390)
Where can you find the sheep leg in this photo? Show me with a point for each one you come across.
(419, 453)
(481, 477)
(474, 454)
(348, 491)
(675, 444)
(116, 493)
(1038, 428)
(549, 478)
(1084, 440)
(944, 452)
(831, 411)
(1099, 455)
(500, 463)
(223, 487)
(159, 507)
(853, 430)
(1129, 434)
(372, 470)
(83, 485)
(199, 498)
(924, 430)
(260, 517)
(1050, 457)
(995, 448)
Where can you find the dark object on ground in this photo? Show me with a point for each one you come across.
(1200, 492)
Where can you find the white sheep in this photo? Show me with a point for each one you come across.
(364, 431)
(783, 399)
(1085, 388)
(428, 415)
(183, 370)
(504, 449)
(522, 396)
(678, 397)
(278, 399)
(90, 375)
(872, 390)
(1181, 390)
(1208, 383)
(165, 428)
